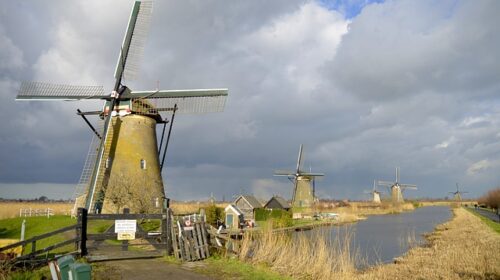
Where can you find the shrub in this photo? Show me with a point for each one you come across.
(491, 199)
(214, 214)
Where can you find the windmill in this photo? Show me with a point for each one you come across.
(124, 161)
(303, 193)
(396, 188)
(458, 194)
(375, 194)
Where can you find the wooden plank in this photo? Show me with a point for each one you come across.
(196, 243)
(192, 246)
(201, 246)
(205, 239)
(174, 243)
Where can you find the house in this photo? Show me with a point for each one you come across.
(277, 202)
(234, 217)
(247, 205)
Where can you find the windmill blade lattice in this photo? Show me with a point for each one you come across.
(132, 49)
(48, 91)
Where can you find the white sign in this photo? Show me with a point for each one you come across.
(125, 226)
(126, 236)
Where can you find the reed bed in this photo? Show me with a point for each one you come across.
(11, 209)
(300, 256)
(181, 208)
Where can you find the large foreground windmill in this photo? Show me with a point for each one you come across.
(397, 188)
(458, 194)
(123, 167)
(303, 192)
(375, 194)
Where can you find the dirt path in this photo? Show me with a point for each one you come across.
(142, 269)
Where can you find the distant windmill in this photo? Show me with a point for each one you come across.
(375, 194)
(396, 188)
(303, 192)
(124, 161)
(458, 194)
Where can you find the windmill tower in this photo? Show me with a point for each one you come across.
(123, 167)
(375, 194)
(303, 192)
(396, 188)
(457, 196)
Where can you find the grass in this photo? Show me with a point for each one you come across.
(493, 225)
(225, 268)
(11, 229)
(41, 273)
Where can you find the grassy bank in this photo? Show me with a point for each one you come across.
(493, 225)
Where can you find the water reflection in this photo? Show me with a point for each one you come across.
(381, 238)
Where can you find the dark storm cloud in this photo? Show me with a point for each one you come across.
(410, 84)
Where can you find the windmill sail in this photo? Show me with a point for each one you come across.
(48, 91)
(193, 101)
(132, 48)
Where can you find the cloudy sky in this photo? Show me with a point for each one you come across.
(365, 85)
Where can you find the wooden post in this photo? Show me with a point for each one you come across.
(33, 247)
(125, 242)
(82, 231)
(165, 231)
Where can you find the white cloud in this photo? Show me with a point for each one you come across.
(479, 167)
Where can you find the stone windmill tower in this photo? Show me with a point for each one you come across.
(123, 167)
(375, 194)
(303, 182)
(396, 188)
(457, 195)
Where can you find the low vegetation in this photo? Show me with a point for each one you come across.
(10, 209)
(300, 257)
(493, 225)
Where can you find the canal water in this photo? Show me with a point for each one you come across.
(381, 238)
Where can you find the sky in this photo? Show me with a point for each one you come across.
(366, 86)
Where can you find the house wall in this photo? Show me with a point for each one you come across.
(245, 208)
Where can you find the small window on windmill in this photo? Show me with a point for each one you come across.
(108, 162)
(143, 164)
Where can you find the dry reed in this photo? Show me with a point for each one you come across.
(181, 208)
(301, 257)
(11, 209)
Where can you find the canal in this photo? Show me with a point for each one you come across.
(381, 238)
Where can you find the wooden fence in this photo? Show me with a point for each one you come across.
(29, 212)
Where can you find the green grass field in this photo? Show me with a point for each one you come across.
(223, 268)
(11, 229)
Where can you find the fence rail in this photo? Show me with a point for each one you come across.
(29, 212)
